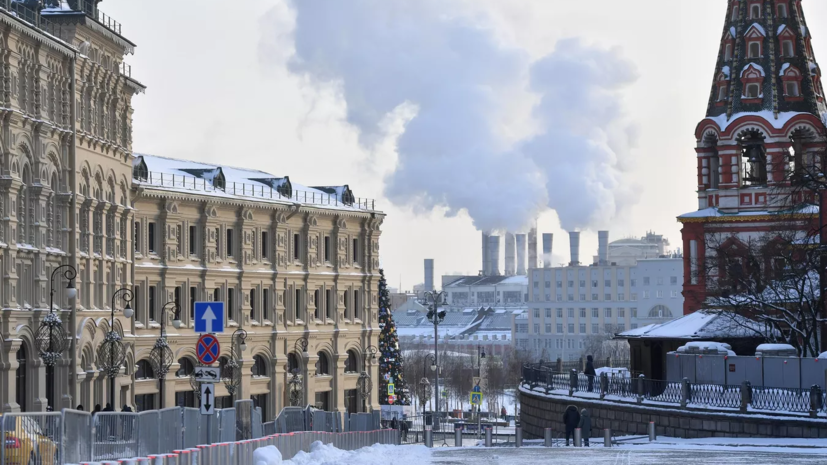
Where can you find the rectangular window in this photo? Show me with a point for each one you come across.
(791, 89)
(582, 313)
(582, 296)
(607, 283)
(582, 328)
(621, 327)
(193, 299)
(673, 280)
(594, 283)
(316, 313)
(296, 242)
(728, 52)
(571, 313)
(177, 297)
(607, 297)
(136, 237)
(218, 242)
(136, 301)
(607, 313)
(327, 249)
(179, 240)
(253, 305)
(559, 284)
(571, 328)
(548, 284)
(559, 328)
(216, 295)
(633, 297)
(265, 251)
(536, 284)
(674, 293)
(595, 296)
(621, 297)
(571, 283)
(548, 328)
(595, 313)
(356, 260)
(620, 283)
(265, 304)
(633, 282)
(230, 303)
(582, 283)
(559, 297)
(659, 294)
(633, 312)
(357, 312)
(536, 313)
(634, 325)
(571, 298)
(328, 304)
(645, 294)
(193, 241)
(595, 328)
(548, 313)
(536, 328)
(151, 303)
(297, 304)
(646, 281)
(347, 305)
(151, 234)
(230, 242)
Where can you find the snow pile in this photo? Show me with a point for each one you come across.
(705, 346)
(326, 454)
(774, 347)
(269, 455)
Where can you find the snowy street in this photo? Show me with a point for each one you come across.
(754, 452)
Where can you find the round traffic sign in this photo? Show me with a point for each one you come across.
(207, 349)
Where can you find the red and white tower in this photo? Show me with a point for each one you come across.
(765, 121)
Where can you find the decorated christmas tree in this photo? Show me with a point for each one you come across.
(390, 360)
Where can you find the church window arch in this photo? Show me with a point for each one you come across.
(782, 10)
(754, 159)
(660, 311)
(791, 76)
(755, 49)
(755, 11)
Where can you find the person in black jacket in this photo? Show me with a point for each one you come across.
(589, 372)
(571, 418)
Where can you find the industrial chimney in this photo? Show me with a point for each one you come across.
(521, 269)
(574, 245)
(510, 251)
(429, 274)
(547, 241)
(532, 248)
(494, 255)
(603, 248)
(486, 260)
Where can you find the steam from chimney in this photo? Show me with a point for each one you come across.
(547, 241)
(602, 247)
(510, 251)
(532, 248)
(574, 245)
(433, 80)
(521, 270)
(494, 255)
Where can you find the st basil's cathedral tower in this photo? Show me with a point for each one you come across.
(764, 124)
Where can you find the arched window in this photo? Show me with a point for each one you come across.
(323, 365)
(755, 11)
(735, 12)
(755, 50)
(753, 91)
(788, 48)
(20, 378)
(292, 363)
(144, 370)
(259, 367)
(186, 367)
(791, 89)
(754, 156)
(728, 52)
(352, 362)
(660, 311)
(782, 10)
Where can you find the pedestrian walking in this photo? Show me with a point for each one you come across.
(394, 424)
(585, 425)
(126, 422)
(571, 418)
(97, 409)
(403, 428)
(590, 372)
(503, 412)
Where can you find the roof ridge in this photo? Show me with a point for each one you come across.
(215, 165)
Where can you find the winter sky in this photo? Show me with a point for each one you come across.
(452, 114)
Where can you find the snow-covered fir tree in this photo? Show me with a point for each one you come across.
(390, 360)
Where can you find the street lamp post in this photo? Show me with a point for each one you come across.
(436, 316)
(161, 355)
(425, 377)
(480, 356)
(365, 384)
(51, 339)
(296, 385)
(111, 352)
(232, 371)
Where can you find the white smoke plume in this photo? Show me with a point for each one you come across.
(458, 79)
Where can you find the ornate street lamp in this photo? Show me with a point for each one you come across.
(364, 382)
(436, 316)
(111, 352)
(296, 384)
(231, 372)
(51, 339)
(161, 355)
(425, 387)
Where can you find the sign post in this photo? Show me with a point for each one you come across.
(209, 317)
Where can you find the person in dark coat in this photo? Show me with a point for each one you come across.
(585, 425)
(79, 408)
(590, 372)
(503, 412)
(97, 409)
(571, 418)
(394, 424)
(403, 429)
(108, 408)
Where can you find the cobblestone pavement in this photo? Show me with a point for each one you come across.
(631, 455)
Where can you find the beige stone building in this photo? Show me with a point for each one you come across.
(289, 262)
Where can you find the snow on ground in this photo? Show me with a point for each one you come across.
(326, 454)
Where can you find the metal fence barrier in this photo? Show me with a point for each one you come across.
(75, 445)
(31, 438)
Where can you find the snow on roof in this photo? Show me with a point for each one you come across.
(778, 123)
(732, 31)
(758, 27)
(780, 29)
(774, 347)
(171, 174)
(726, 70)
(707, 346)
(756, 66)
(703, 324)
(784, 69)
(804, 31)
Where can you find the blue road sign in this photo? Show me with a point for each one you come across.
(209, 317)
(477, 389)
(207, 349)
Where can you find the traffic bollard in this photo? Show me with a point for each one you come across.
(652, 435)
(458, 437)
(578, 437)
(489, 441)
(548, 437)
(607, 437)
(429, 436)
(518, 436)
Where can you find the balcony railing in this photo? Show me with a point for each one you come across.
(27, 11)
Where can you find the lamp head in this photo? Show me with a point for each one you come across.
(433, 366)
(127, 311)
(71, 292)
(176, 323)
(243, 345)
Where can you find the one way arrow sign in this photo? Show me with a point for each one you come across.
(207, 399)
(209, 317)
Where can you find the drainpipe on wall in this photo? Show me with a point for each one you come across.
(73, 226)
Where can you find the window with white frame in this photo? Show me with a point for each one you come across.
(791, 89)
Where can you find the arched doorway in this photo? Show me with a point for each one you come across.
(21, 381)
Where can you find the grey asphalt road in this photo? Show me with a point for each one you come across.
(621, 456)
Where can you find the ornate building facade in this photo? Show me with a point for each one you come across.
(763, 132)
(291, 265)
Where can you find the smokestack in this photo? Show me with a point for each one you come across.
(486, 260)
(602, 247)
(547, 241)
(510, 251)
(429, 274)
(532, 247)
(494, 255)
(521, 270)
(574, 245)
